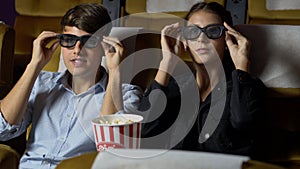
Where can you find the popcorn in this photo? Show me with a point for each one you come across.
(117, 121)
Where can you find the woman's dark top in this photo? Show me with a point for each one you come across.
(236, 127)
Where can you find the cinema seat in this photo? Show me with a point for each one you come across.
(259, 14)
(7, 36)
(138, 16)
(275, 59)
(9, 158)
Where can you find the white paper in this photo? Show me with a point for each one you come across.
(155, 6)
(124, 32)
(282, 4)
(162, 159)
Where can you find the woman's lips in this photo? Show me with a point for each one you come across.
(202, 50)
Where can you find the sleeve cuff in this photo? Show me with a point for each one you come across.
(6, 128)
(243, 77)
(120, 112)
(154, 85)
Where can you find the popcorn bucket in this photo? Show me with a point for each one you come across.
(117, 131)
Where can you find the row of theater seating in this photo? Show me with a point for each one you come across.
(256, 13)
(36, 16)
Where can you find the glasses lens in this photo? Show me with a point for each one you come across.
(67, 40)
(90, 41)
(214, 31)
(191, 32)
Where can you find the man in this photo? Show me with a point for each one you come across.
(61, 105)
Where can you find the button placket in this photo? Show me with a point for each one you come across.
(65, 125)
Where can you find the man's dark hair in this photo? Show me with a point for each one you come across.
(90, 17)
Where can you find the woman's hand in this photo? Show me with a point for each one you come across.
(43, 49)
(114, 52)
(240, 51)
(171, 50)
(171, 46)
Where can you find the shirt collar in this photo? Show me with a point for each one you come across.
(63, 80)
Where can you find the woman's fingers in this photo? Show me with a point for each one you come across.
(172, 30)
(237, 35)
(171, 36)
(231, 30)
(239, 51)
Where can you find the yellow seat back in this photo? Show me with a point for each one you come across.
(259, 14)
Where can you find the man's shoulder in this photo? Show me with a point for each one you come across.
(49, 77)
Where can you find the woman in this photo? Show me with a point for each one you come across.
(228, 99)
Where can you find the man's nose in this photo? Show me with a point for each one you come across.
(77, 47)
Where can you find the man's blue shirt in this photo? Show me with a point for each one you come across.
(61, 119)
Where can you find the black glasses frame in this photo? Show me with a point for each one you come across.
(185, 31)
(83, 40)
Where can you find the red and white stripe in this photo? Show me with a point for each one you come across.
(127, 135)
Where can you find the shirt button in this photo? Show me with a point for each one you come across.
(206, 135)
(68, 115)
(241, 78)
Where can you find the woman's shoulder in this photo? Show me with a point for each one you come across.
(184, 80)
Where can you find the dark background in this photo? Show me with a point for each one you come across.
(7, 11)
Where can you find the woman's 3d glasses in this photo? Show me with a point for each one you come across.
(192, 32)
(69, 40)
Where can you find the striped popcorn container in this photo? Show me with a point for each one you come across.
(117, 131)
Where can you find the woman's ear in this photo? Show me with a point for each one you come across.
(226, 47)
(185, 45)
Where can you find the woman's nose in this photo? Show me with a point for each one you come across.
(203, 38)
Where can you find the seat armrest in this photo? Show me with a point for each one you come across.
(82, 161)
(7, 39)
(9, 158)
